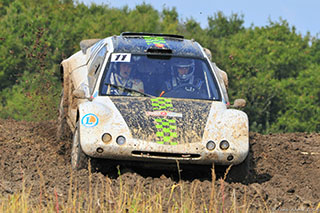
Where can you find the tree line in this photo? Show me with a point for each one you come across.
(275, 68)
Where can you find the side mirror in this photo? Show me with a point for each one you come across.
(239, 103)
(79, 93)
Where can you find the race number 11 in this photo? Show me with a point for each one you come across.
(121, 57)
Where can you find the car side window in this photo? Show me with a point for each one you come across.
(95, 67)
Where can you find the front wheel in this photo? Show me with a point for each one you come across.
(63, 130)
(79, 160)
(241, 172)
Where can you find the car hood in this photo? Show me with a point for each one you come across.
(164, 120)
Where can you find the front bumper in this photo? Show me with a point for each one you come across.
(192, 153)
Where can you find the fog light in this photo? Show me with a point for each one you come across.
(99, 150)
(211, 145)
(106, 138)
(224, 145)
(121, 140)
(230, 158)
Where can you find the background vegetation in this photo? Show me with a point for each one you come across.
(273, 67)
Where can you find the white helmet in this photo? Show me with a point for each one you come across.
(184, 64)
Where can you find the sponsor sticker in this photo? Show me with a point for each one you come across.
(164, 114)
(94, 95)
(159, 42)
(90, 120)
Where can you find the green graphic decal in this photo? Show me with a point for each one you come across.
(162, 104)
(157, 41)
(166, 127)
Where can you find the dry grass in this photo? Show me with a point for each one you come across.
(178, 197)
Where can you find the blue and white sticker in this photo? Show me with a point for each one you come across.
(121, 57)
(95, 95)
(90, 120)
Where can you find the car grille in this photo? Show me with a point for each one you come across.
(165, 155)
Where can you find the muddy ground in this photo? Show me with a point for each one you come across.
(284, 169)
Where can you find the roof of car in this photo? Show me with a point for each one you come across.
(149, 43)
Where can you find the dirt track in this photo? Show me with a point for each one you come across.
(285, 168)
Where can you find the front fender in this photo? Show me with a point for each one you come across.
(231, 125)
(97, 118)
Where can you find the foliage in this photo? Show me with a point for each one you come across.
(302, 109)
(272, 67)
(170, 22)
(30, 50)
(221, 26)
(34, 98)
(259, 61)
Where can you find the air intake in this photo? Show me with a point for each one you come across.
(165, 155)
(157, 51)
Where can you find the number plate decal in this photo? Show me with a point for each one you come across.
(121, 57)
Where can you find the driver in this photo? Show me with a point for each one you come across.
(124, 79)
(183, 74)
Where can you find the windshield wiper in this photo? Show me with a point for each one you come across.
(128, 89)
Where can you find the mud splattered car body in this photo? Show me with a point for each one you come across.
(190, 123)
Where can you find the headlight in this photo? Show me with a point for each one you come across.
(121, 140)
(211, 145)
(224, 145)
(106, 137)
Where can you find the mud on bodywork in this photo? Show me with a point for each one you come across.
(140, 45)
(164, 120)
(173, 128)
(163, 129)
(231, 125)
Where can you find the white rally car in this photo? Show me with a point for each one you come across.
(148, 97)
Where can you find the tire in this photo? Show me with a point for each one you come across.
(63, 130)
(79, 160)
(241, 172)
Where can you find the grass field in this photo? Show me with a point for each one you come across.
(173, 198)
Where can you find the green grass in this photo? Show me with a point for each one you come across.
(177, 197)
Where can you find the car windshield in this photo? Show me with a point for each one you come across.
(160, 76)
